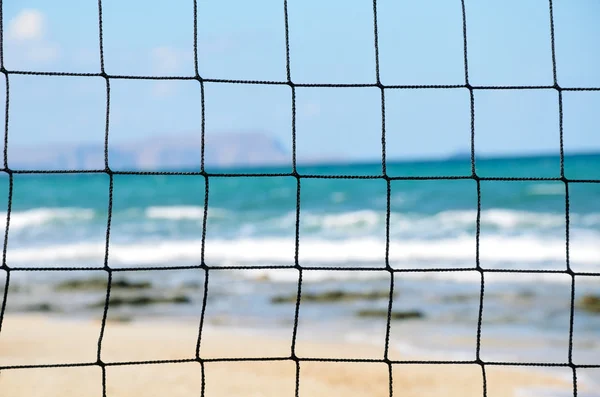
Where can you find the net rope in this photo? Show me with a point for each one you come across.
(208, 269)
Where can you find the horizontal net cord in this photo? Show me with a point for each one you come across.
(303, 85)
(305, 176)
(304, 359)
(303, 268)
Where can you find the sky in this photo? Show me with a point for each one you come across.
(330, 42)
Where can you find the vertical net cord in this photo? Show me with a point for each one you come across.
(205, 289)
(477, 180)
(567, 205)
(108, 171)
(388, 326)
(205, 213)
(297, 266)
(10, 181)
(107, 242)
(4, 266)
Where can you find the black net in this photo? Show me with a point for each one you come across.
(208, 269)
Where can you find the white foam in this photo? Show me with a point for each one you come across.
(445, 221)
(40, 216)
(521, 251)
(175, 213)
(453, 222)
(499, 218)
(357, 219)
(183, 212)
(509, 219)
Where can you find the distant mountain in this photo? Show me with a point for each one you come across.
(464, 154)
(158, 152)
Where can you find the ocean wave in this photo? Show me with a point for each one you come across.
(184, 212)
(495, 251)
(140, 222)
(175, 213)
(41, 216)
(361, 218)
(453, 220)
(369, 220)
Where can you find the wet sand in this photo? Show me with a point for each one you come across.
(29, 339)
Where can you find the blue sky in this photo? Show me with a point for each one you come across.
(331, 42)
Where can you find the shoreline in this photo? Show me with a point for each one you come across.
(36, 339)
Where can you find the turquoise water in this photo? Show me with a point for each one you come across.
(431, 222)
(60, 220)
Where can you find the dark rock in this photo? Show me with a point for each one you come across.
(131, 284)
(39, 307)
(180, 299)
(396, 315)
(283, 299)
(590, 303)
(99, 283)
(333, 296)
(143, 300)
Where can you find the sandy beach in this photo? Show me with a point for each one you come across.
(28, 339)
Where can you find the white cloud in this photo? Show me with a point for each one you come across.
(29, 24)
(28, 41)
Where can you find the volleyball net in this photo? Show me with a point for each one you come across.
(207, 268)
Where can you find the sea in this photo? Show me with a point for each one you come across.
(59, 221)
